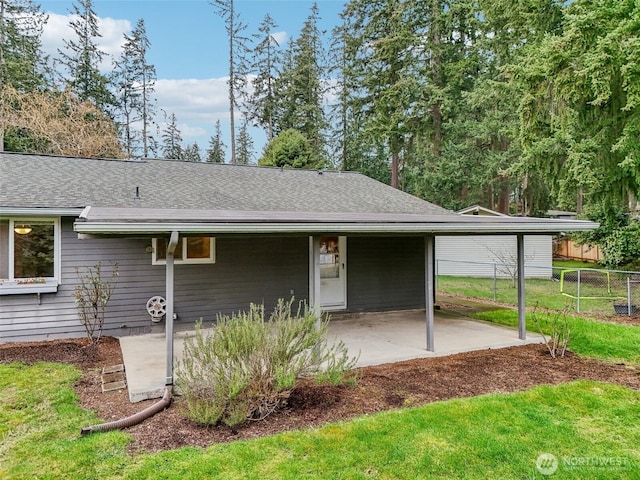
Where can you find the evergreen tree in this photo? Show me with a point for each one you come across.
(301, 88)
(245, 144)
(23, 65)
(82, 58)
(216, 150)
(135, 81)
(381, 54)
(171, 138)
(237, 60)
(289, 149)
(266, 55)
(191, 153)
(580, 122)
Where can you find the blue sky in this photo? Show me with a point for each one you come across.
(189, 49)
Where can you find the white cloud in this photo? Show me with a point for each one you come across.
(188, 131)
(280, 37)
(194, 100)
(112, 31)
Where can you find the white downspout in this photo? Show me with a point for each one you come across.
(429, 289)
(171, 248)
(314, 275)
(522, 312)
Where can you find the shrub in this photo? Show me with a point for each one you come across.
(92, 295)
(555, 332)
(245, 368)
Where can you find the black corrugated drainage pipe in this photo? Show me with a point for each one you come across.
(133, 419)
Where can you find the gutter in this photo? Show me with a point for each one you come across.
(444, 228)
(40, 211)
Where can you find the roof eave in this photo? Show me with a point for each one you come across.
(448, 228)
(40, 211)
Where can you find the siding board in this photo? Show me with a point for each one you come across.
(475, 256)
(246, 270)
(385, 273)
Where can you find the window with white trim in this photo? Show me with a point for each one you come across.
(188, 250)
(33, 256)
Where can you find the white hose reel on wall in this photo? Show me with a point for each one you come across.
(157, 308)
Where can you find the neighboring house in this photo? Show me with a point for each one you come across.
(242, 234)
(489, 255)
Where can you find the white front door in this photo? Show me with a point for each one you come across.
(333, 273)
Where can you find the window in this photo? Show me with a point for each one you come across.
(33, 256)
(188, 250)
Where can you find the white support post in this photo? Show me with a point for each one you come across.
(171, 248)
(429, 285)
(314, 274)
(522, 319)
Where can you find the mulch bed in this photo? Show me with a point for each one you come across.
(384, 387)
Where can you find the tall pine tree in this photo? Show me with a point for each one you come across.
(23, 65)
(237, 60)
(135, 80)
(171, 138)
(82, 58)
(266, 64)
(301, 87)
(216, 150)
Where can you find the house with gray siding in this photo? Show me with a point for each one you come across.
(210, 239)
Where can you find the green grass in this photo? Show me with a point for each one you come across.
(590, 338)
(542, 292)
(575, 264)
(40, 425)
(493, 436)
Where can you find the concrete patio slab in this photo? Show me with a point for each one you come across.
(376, 337)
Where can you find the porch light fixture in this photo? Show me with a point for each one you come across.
(22, 229)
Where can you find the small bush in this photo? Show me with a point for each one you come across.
(555, 332)
(92, 295)
(246, 367)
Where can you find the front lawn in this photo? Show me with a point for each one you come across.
(591, 428)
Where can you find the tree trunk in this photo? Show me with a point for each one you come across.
(579, 201)
(503, 195)
(437, 78)
(633, 203)
(394, 170)
(2, 82)
(232, 81)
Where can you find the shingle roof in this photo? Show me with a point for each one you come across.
(60, 182)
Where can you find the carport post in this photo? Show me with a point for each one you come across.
(171, 248)
(429, 286)
(314, 274)
(522, 319)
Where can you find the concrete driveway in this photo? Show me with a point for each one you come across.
(376, 337)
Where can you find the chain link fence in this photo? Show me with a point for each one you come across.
(581, 290)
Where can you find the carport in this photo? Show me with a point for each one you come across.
(177, 223)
